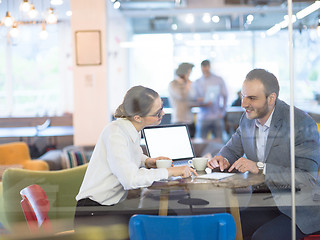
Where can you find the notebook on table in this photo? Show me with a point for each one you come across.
(172, 141)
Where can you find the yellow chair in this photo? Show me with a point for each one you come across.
(318, 125)
(17, 153)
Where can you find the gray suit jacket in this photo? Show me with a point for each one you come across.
(277, 159)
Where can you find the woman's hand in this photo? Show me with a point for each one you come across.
(151, 162)
(183, 171)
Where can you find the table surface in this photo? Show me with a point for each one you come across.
(213, 191)
(33, 132)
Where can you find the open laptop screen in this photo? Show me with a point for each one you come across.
(171, 141)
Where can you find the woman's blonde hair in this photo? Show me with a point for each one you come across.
(137, 101)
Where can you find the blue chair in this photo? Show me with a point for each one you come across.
(220, 226)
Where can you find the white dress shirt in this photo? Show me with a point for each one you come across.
(117, 165)
(262, 132)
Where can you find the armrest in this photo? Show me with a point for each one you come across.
(36, 164)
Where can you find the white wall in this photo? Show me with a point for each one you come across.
(119, 30)
(90, 82)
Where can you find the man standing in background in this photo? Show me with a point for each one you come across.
(211, 93)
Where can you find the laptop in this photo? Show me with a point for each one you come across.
(212, 93)
(172, 141)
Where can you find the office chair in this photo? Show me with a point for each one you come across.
(219, 226)
(35, 206)
(312, 237)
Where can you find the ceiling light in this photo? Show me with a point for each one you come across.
(310, 9)
(190, 18)
(174, 26)
(215, 19)
(56, 2)
(51, 17)
(14, 31)
(250, 18)
(25, 6)
(69, 13)
(273, 30)
(116, 5)
(43, 34)
(33, 12)
(206, 18)
(8, 20)
(285, 22)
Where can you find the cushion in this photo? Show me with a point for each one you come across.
(73, 156)
(53, 158)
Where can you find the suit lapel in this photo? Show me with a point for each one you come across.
(276, 123)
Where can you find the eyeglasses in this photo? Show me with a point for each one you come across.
(158, 114)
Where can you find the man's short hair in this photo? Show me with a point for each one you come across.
(205, 63)
(269, 81)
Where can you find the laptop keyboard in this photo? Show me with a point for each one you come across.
(180, 163)
(263, 188)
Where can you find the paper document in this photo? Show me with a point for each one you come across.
(216, 175)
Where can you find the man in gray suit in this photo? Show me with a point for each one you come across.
(261, 145)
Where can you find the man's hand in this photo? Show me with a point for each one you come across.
(151, 162)
(218, 161)
(243, 165)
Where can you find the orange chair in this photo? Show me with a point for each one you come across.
(35, 206)
(17, 153)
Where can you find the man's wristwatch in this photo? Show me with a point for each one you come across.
(260, 166)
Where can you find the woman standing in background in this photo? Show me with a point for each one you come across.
(181, 97)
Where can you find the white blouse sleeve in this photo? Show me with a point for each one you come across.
(125, 164)
(143, 159)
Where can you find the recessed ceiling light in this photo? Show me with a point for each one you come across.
(116, 5)
(250, 18)
(206, 18)
(56, 2)
(69, 13)
(215, 19)
(190, 18)
(174, 26)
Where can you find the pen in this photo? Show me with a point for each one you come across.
(267, 197)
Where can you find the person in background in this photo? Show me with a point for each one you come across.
(181, 97)
(237, 102)
(118, 163)
(261, 145)
(212, 95)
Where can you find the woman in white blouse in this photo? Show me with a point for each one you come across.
(118, 163)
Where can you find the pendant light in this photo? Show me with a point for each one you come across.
(7, 20)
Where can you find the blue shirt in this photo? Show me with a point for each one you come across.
(211, 89)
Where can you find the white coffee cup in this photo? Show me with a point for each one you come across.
(164, 163)
(199, 163)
